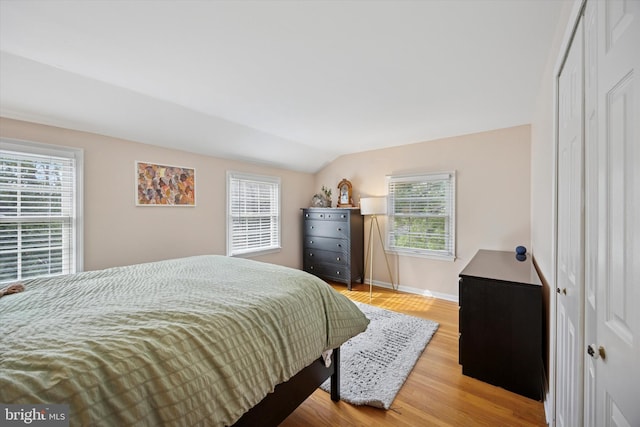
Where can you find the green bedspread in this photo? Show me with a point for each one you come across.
(190, 341)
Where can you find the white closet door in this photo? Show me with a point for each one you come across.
(591, 204)
(570, 292)
(617, 388)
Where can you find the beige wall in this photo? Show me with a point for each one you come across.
(116, 232)
(493, 198)
(543, 157)
(542, 188)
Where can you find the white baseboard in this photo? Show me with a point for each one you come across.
(547, 410)
(417, 291)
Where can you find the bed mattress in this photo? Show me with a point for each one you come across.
(196, 340)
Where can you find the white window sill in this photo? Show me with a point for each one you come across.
(255, 252)
(422, 254)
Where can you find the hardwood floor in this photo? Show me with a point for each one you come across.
(435, 393)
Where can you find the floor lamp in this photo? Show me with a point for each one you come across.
(374, 206)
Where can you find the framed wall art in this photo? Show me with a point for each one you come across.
(163, 185)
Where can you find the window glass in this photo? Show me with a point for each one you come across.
(38, 211)
(253, 213)
(422, 214)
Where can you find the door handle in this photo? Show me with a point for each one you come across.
(599, 353)
(563, 291)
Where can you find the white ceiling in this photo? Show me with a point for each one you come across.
(288, 83)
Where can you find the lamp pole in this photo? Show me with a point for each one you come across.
(373, 217)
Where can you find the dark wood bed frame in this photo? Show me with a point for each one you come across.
(287, 396)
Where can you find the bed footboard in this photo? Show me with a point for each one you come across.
(286, 397)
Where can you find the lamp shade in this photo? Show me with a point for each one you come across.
(373, 206)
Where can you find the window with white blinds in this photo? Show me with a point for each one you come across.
(253, 213)
(38, 211)
(422, 214)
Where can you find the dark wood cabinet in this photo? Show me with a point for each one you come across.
(501, 322)
(333, 240)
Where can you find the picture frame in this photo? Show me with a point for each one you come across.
(345, 194)
(164, 185)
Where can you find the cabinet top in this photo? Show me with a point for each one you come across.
(355, 209)
(502, 265)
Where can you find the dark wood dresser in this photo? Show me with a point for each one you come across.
(333, 240)
(501, 322)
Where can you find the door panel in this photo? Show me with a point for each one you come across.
(608, 381)
(591, 206)
(562, 397)
(618, 210)
(569, 298)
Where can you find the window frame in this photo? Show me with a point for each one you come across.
(450, 222)
(76, 251)
(255, 251)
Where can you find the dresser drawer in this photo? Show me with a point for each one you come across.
(336, 272)
(335, 229)
(317, 256)
(326, 243)
(327, 216)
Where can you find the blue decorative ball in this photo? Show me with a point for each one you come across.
(521, 257)
(521, 250)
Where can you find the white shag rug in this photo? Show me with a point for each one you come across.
(375, 363)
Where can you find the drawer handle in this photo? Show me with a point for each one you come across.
(339, 245)
(338, 273)
(339, 229)
(344, 216)
(310, 253)
(311, 227)
(311, 267)
(311, 242)
(321, 216)
(306, 215)
(338, 259)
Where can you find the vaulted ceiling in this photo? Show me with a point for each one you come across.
(293, 84)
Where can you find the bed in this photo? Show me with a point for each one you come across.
(205, 340)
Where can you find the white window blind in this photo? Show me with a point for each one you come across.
(422, 214)
(37, 214)
(253, 206)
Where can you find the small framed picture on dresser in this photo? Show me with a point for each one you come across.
(345, 194)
